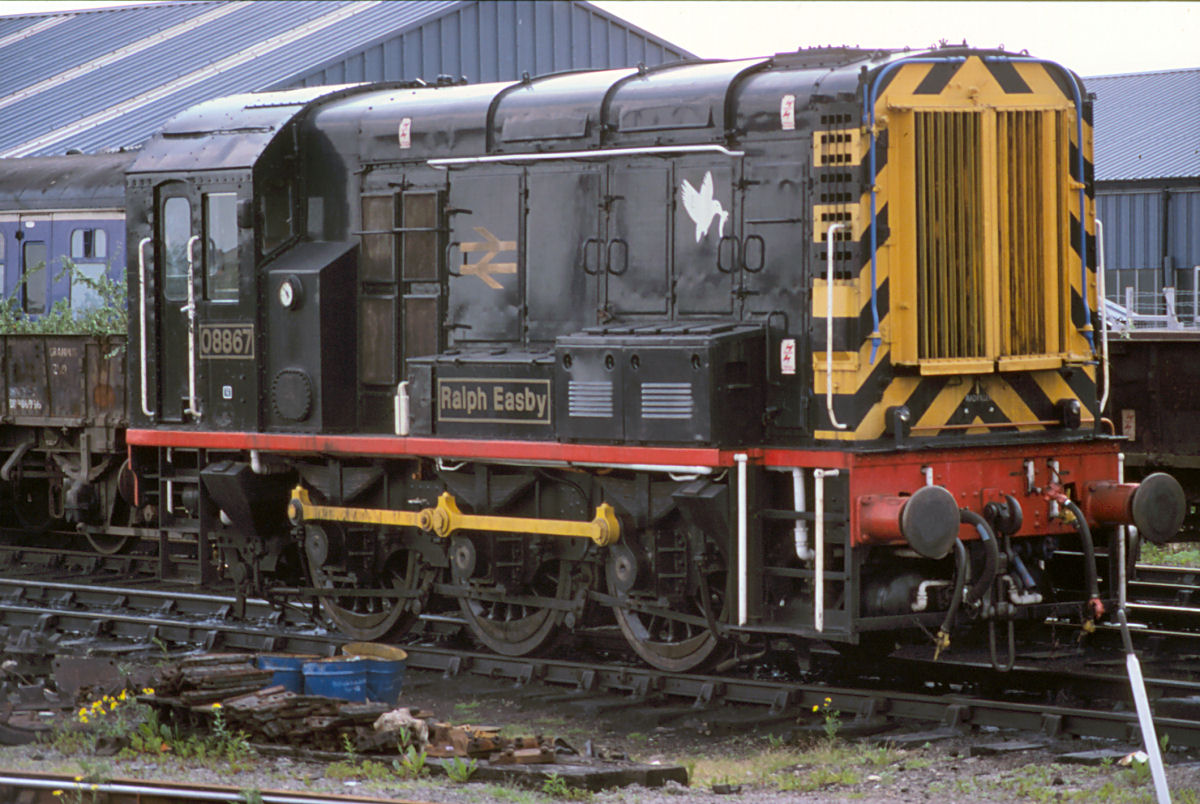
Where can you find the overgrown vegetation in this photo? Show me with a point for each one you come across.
(104, 311)
(123, 726)
(1171, 555)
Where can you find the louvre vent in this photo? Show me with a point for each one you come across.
(667, 400)
(590, 400)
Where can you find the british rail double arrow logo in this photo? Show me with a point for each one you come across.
(484, 267)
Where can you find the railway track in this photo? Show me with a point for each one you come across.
(102, 617)
(48, 788)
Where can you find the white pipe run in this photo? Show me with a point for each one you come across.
(402, 409)
(743, 539)
(803, 551)
(1103, 314)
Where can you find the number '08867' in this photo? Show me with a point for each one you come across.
(225, 340)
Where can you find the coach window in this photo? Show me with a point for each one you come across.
(33, 297)
(177, 229)
(220, 245)
(89, 244)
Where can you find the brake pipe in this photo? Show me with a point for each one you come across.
(991, 554)
(961, 570)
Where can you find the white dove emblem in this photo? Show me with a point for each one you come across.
(702, 207)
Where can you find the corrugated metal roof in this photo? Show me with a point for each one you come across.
(1146, 125)
(109, 78)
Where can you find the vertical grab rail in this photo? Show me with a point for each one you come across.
(145, 241)
(819, 476)
(190, 309)
(829, 249)
(743, 540)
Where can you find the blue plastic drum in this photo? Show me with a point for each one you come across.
(288, 668)
(343, 677)
(385, 669)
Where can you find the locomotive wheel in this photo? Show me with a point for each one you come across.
(669, 643)
(366, 619)
(516, 628)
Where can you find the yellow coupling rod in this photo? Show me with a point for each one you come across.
(444, 519)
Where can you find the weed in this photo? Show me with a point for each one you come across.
(252, 795)
(1180, 555)
(366, 769)
(556, 786)
(465, 710)
(411, 763)
(460, 770)
(775, 740)
(833, 719)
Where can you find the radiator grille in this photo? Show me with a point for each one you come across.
(949, 236)
(1029, 187)
(590, 400)
(990, 216)
(666, 400)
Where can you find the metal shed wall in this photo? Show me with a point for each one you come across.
(490, 41)
(108, 78)
(1133, 236)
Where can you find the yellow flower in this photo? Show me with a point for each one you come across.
(828, 700)
(79, 778)
(815, 707)
(83, 711)
(95, 787)
(147, 690)
(122, 696)
(217, 705)
(56, 793)
(83, 719)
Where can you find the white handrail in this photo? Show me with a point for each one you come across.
(1103, 314)
(819, 476)
(142, 320)
(829, 249)
(190, 309)
(743, 540)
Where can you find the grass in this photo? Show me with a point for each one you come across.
(1171, 555)
(823, 764)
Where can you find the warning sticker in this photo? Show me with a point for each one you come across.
(787, 356)
(406, 132)
(787, 112)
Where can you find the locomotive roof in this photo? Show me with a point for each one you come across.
(576, 111)
(227, 132)
(80, 181)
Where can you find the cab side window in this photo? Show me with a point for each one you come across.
(220, 247)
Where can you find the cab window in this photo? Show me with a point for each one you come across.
(220, 244)
(177, 229)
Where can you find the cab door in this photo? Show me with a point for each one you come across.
(206, 325)
(177, 241)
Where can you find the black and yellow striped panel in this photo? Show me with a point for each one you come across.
(979, 281)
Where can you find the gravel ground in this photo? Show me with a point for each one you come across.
(796, 764)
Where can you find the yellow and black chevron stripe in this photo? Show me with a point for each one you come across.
(979, 251)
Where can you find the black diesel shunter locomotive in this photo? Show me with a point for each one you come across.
(792, 347)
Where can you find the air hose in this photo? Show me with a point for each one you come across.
(1089, 558)
(961, 571)
(991, 554)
